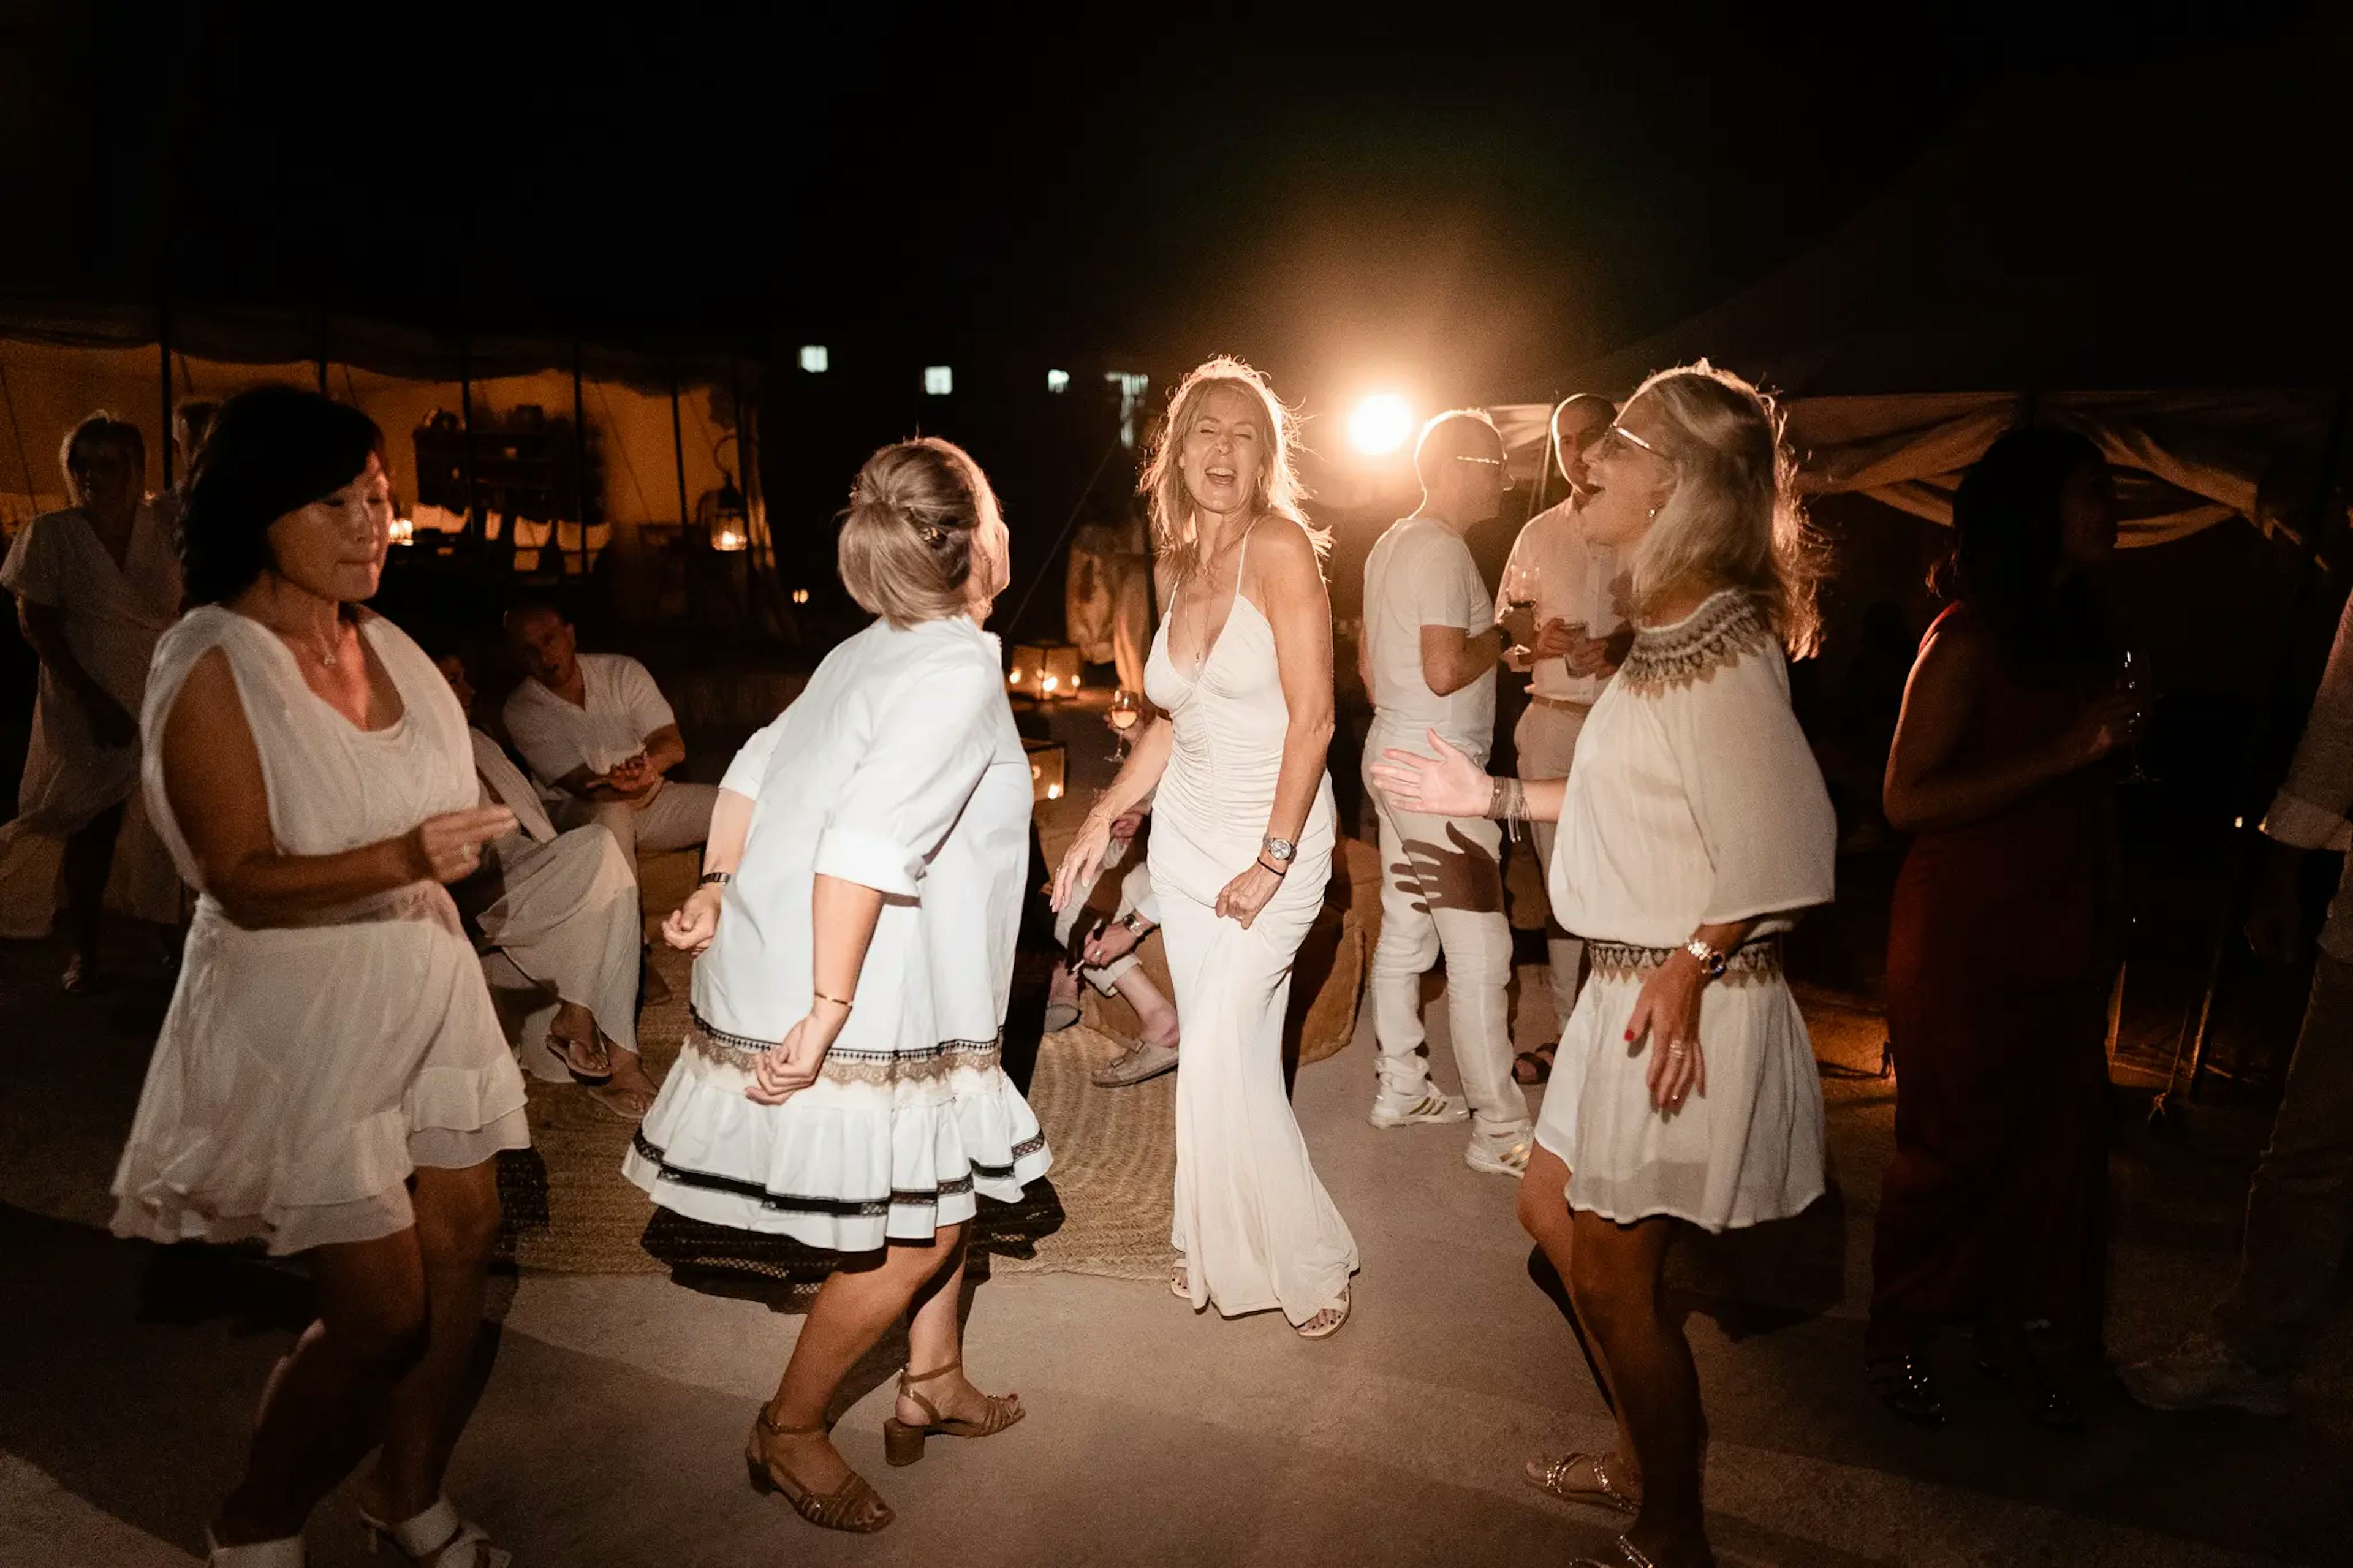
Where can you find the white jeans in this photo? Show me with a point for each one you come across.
(1546, 738)
(1442, 891)
(677, 818)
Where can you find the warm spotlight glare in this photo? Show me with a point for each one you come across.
(1053, 791)
(1380, 425)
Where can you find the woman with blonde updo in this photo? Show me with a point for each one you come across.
(1693, 828)
(1241, 845)
(861, 890)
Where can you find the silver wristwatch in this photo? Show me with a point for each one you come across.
(1712, 963)
(1283, 849)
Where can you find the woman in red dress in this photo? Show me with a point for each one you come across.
(2000, 955)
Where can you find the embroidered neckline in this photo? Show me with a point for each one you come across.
(1724, 630)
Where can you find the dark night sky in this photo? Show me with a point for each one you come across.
(1333, 203)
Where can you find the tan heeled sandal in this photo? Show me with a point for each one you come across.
(853, 1507)
(902, 1442)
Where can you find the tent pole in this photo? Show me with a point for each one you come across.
(579, 457)
(2164, 1112)
(678, 448)
(474, 527)
(164, 358)
(744, 458)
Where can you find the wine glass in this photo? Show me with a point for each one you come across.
(1127, 711)
(2131, 683)
(1521, 580)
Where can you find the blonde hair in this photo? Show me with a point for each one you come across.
(1175, 538)
(909, 534)
(1734, 519)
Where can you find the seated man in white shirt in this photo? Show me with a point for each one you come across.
(1428, 655)
(1558, 607)
(562, 907)
(597, 735)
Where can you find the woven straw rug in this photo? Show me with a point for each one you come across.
(1114, 1162)
(1104, 1210)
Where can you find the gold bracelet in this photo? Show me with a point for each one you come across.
(840, 1002)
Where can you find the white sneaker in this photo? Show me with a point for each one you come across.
(2201, 1371)
(1503, 1153)
(1426, 1106)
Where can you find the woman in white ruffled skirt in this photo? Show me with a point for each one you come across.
(1693, 827)
(861, 892)
(330, 1078)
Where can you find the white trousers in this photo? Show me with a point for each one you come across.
(1442, 891)
(677, 818)
(1546, 739)
(565, 914)
(1135, 893)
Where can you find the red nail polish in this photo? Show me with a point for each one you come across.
(1629, 1035)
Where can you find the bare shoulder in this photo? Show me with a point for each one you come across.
(1957, 643)
(1284, 558)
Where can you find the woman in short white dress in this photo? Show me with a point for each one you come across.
(1242, 842)
(862, 890)
(330, 1078)
(1693, 827)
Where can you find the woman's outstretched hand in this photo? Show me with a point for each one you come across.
(1445, 784)
(693, 923)
(1082, 861)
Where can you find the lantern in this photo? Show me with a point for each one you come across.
(1049, 671)
(730, 526)
(401, 530)
(1048, 763)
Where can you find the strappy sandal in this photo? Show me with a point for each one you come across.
(853, 1507)
(1553, 1480)
(1327, 1321)
(1538, 1063)
(437, 1538)
(1180, 1284)
(903, 1441)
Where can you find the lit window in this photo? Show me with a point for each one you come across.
(1058, 381)
(939, 381)
(814, 359)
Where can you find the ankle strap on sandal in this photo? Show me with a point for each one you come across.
(906, 1377)
(769, 1424)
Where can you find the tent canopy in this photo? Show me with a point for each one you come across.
(2156, 262)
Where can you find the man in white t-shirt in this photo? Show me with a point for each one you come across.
(1429, 655)
(600, 738)
(1569, 635)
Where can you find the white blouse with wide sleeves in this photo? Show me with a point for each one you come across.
(899, 769)
(1694, 800)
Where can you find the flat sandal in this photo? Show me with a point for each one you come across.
(1553, 1480)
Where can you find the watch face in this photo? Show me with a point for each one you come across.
(1281, 849)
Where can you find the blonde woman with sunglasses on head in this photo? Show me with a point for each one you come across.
(1693, 828)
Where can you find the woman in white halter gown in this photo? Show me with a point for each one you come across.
(1256, 1227)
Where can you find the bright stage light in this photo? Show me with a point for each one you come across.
(1380, 425)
